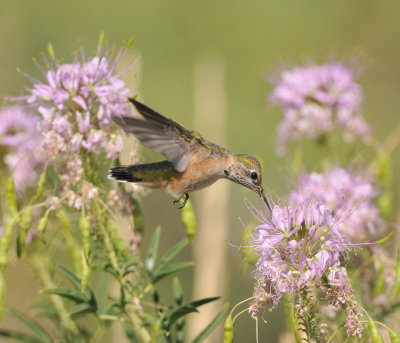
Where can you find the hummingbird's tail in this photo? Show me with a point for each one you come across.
(153, 175)
(124, 174)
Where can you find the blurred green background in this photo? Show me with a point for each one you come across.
(252, 38)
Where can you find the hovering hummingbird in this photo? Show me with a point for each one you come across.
(192, 162)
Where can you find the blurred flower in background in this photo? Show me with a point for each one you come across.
(351, 195)
(315, 99)
(20, 137)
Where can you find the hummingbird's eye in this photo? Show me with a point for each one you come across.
(254, 175)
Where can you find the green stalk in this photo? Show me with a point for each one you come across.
(43, 264)
(291, 318)
(141, 334)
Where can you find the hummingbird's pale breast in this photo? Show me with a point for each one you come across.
(201, 172)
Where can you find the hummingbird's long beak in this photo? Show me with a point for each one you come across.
(262, 195)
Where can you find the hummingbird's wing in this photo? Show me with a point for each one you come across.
(160, 134)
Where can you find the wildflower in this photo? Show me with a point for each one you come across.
(295, 247)
(19, 134)
(77, 103)
(349, 194)
(340, 294)
(316, 98)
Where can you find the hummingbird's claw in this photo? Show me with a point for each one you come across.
(184, 197)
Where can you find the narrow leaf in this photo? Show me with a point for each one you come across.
(88, 293)
(210, 327)
(70, 275)
(204, 301)
(384, 239)
(83, 308)
(189, 307)
(31, 325)
(171, 270)
(76, 296)
(180, 312)
(152, 253)
(19, 336)
(170, 254)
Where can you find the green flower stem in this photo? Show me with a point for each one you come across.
(71, 243)
(291, 318)
(5, 242)
(43, 264)
(141, 334)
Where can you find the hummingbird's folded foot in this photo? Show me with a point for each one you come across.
(184, 197)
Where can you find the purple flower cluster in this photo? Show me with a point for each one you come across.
(20, 136)
(77, 103)
(348, 194)
(314, 99)
(295, 246)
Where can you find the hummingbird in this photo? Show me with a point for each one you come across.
(192, 163)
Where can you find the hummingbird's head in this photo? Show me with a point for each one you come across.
(246, 170)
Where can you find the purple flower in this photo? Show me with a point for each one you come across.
(85, 96)
(295, 246)
(350, 195)
(77, 103)
(314, 99)
(19, 134)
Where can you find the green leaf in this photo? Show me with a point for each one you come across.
(198, 303)
(180, 312)
(189, 308)
(83, 308)
(177, 290)
(31, 325)
(171, 270)
(70, 275)
(152, 253)
(71, 294)
(126, 266)
(384, 239)
(170, 254)
(19, 336)
(88, 293)
(210, 327)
